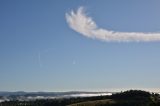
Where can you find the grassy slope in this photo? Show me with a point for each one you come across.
(94, 103)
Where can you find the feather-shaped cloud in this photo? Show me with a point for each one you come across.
(84, 24)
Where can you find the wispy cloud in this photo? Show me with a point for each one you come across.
(80, 22)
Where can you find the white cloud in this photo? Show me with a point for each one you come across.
(84, 24)
(89, 94)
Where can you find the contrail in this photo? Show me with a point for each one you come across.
(39, 59)
(84, 25)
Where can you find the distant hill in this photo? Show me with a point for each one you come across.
(32, 96)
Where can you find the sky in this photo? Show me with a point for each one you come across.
(47, 45)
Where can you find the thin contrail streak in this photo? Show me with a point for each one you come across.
(39, 59)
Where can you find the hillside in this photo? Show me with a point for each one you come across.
(127, 98)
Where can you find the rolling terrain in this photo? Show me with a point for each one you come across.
(127, 98)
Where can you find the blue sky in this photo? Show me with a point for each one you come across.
(40, 52)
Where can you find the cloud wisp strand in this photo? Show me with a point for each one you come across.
(85, 25)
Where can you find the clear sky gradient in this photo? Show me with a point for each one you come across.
(40, 52)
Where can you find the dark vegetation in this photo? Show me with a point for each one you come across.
(127, 98)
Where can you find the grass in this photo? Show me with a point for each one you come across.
(94, 103)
